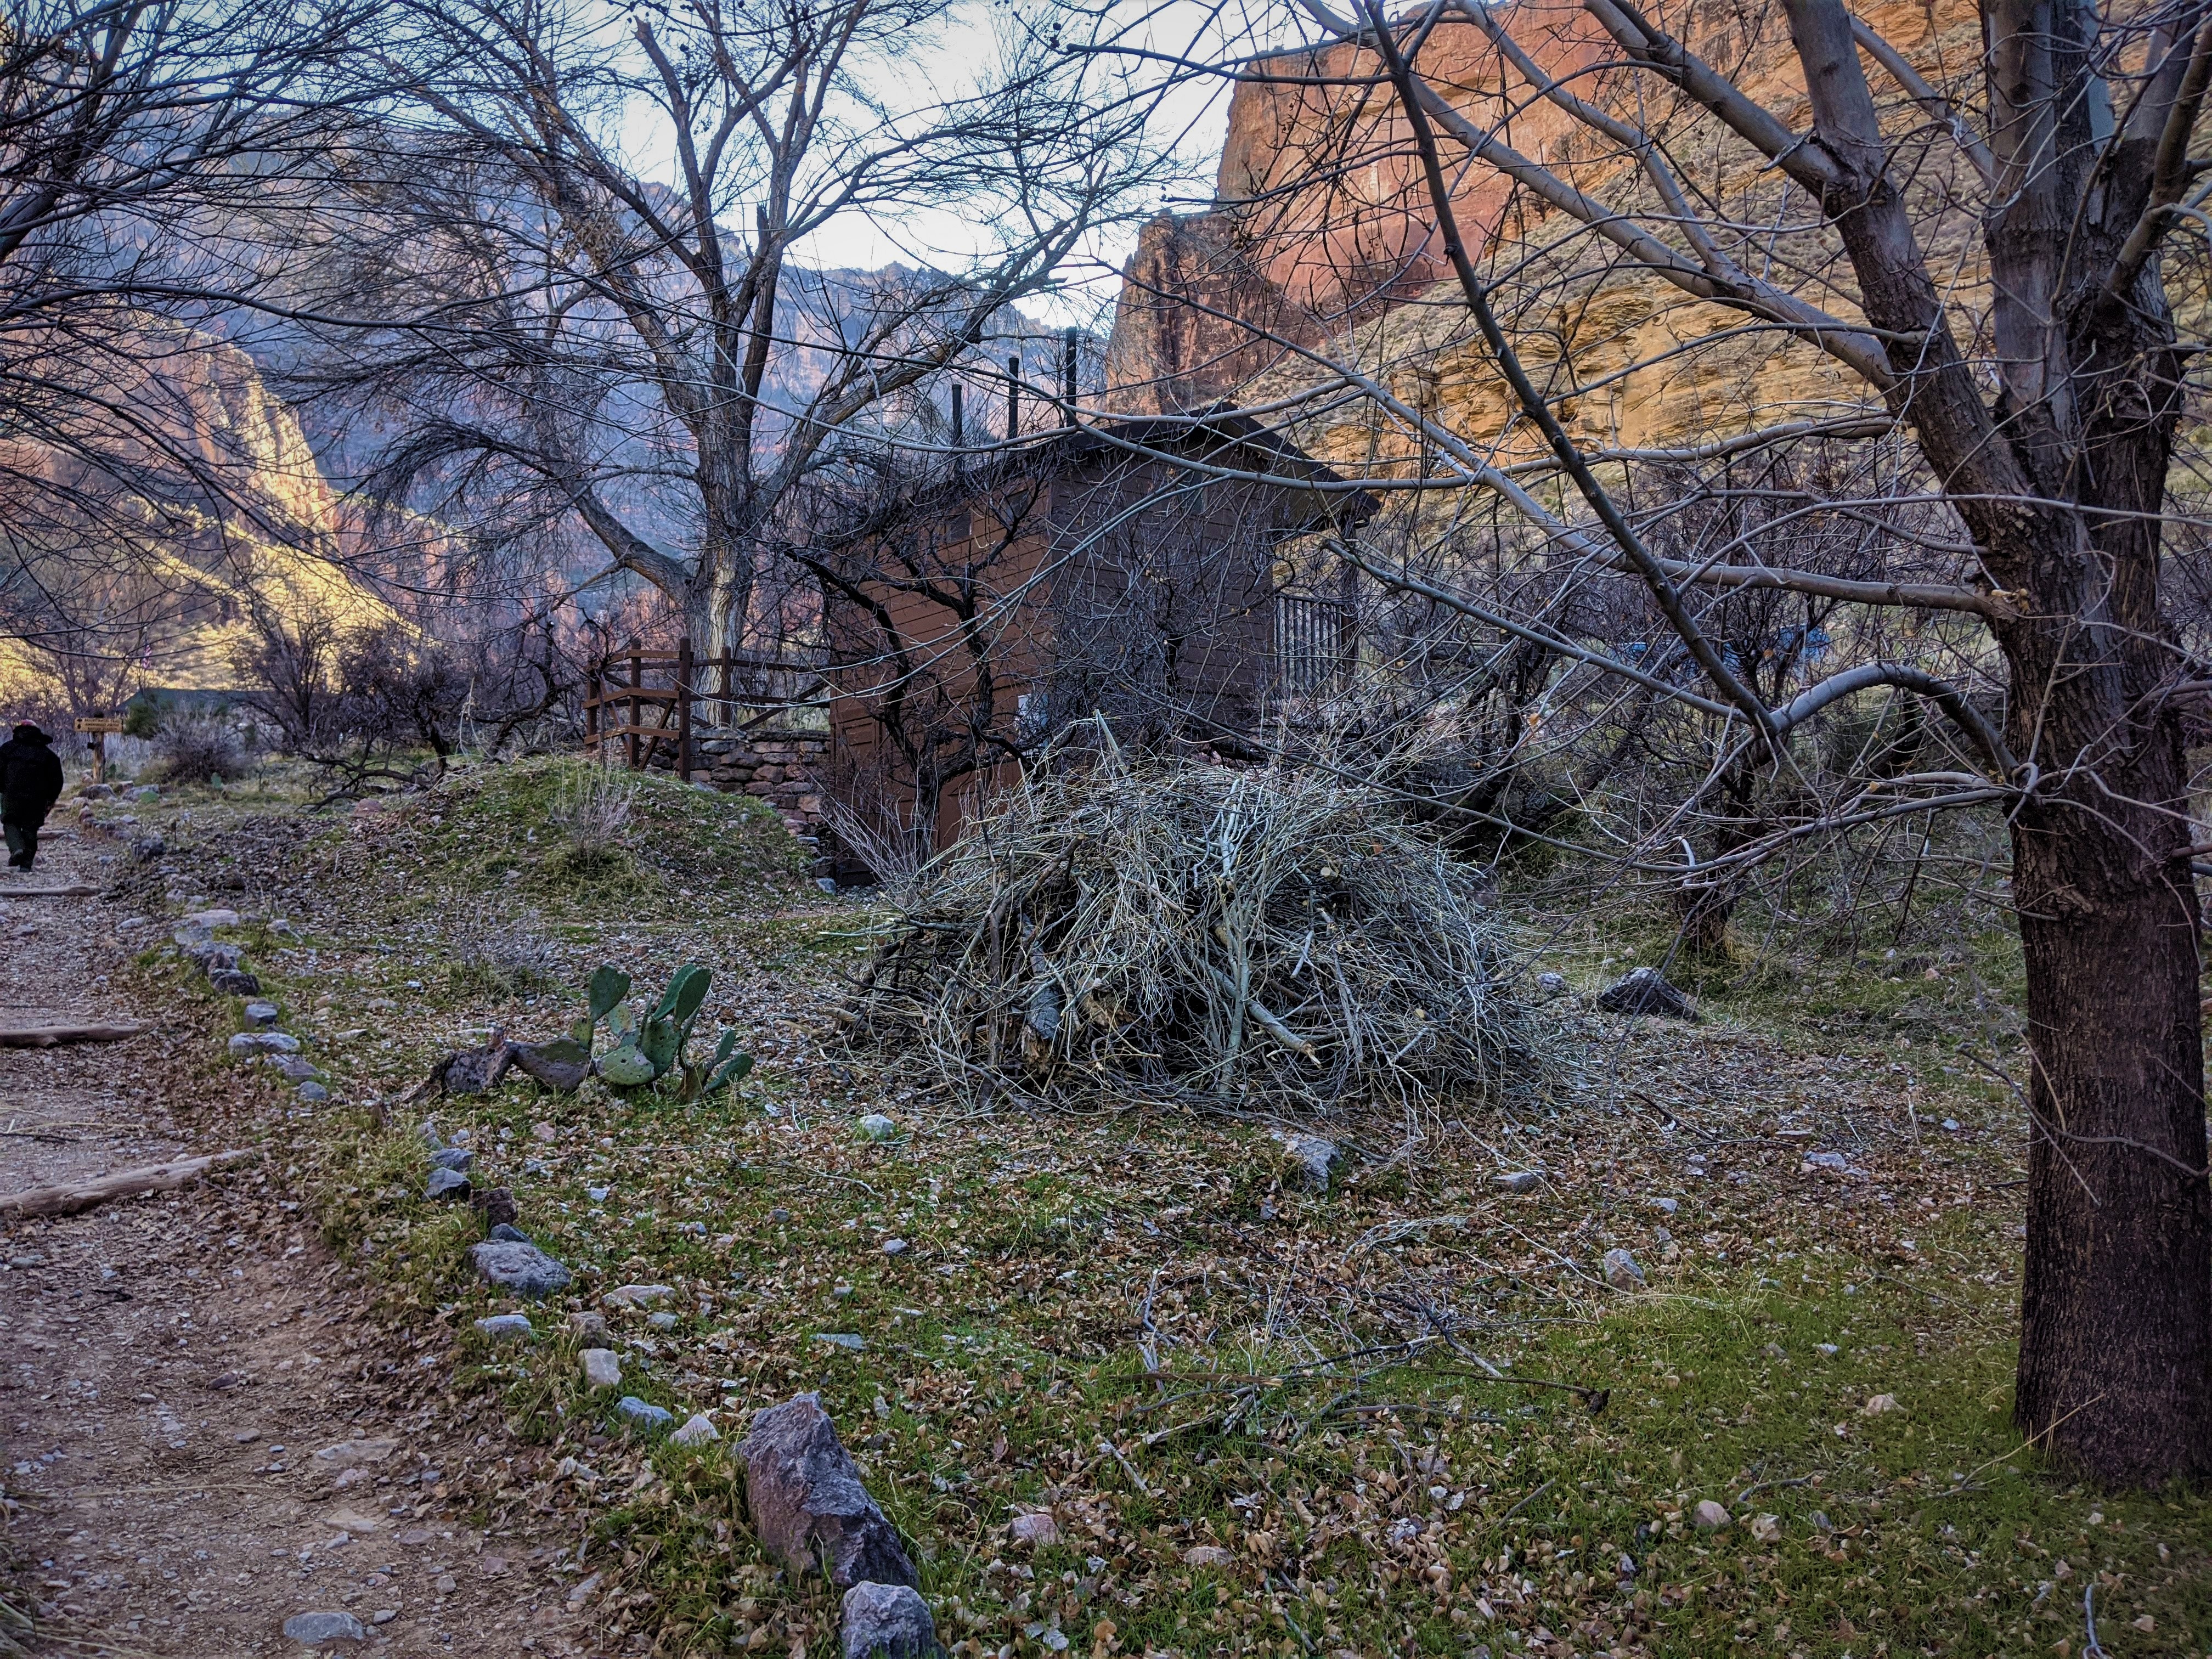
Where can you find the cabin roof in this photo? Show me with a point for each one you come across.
(1233, 443)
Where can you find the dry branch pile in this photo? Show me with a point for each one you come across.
(1256, 940)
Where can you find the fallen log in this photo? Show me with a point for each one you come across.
(52, 1033)
(124, 1183)
(74, 890)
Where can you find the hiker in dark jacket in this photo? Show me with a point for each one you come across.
(30, 784)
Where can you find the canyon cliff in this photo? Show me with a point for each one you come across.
(1321, 249)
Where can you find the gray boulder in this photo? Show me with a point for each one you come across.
(889, 1621)
(1646, 991)
(450, 1185)
(453, 1157)
(261, 1015)
(524, 1269)
(808, 1504)
(263, 1042)
(316, 1628)
(1311, 1159)
(642, 1415)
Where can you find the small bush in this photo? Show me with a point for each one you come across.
(198, 749)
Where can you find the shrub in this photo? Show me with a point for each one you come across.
(198, 749)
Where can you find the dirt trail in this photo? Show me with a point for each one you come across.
(171, 1365)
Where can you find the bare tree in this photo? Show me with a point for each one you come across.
(569, 336)
(1973, 272)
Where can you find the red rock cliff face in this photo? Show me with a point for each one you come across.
(1322, 231)
(1322, 219)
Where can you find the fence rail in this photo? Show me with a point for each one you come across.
(627, 685)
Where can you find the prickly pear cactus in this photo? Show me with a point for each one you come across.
(625, 1066)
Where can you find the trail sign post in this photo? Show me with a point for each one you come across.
(97, 728)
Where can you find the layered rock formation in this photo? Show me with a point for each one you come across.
(162, 530)
(1323, 248)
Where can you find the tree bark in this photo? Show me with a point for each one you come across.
(2116, 1303)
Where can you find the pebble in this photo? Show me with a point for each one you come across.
(663, 1320)
(1666, 1205)
(522, 1268)
(876, 1126)
(316, 1628)
(447, 1184)
(1825, 1348)
(641, 1415)
(1881, 1406)
(889, 1621)
(1036, 1528)
(779, 1213)
(1552, 985)
(1710, 1516)
(588, 1324)
(263, 1042)
(1521, 1181)
(698, 1429)
(1621, 1271)
(292, 1068)
(636, 1296)
(453, 1157)
(1208, 1555)
(350, 1454)
(602, 1367)
(261, 1015)
(313, 1092)
(211, 919)
(895, 1247)
(598, 1195)
(1951, 1124)
(844, 1340)
(1835, 1161)
(500, 1327)
(1313, 1159)
(507, 1233)
(383, 1615)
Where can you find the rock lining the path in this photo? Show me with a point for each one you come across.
(808, 1504)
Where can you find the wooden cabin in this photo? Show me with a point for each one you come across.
(1133, 570)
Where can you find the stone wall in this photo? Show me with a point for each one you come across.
(780, 764)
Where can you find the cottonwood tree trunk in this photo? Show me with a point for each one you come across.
(2116, 1320)
(2116, 1331)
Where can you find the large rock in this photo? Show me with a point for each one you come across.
(888, 1621)
(561, 1065)
(1646, 991)
(808, 1504)
(263, 1042)
(522, 1268)
(316, 1628)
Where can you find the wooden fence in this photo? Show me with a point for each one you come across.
(628, 685)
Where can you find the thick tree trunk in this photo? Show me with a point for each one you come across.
(2116, 1328)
